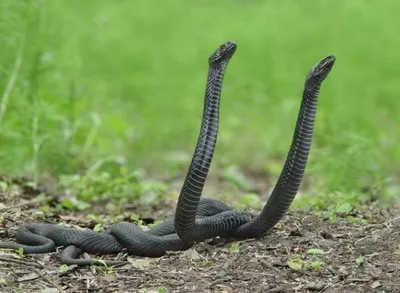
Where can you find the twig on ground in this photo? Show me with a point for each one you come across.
(358, 281)
(48, 280)
(21, 262)
(32, 202)
(392, 220)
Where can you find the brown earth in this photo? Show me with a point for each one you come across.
(358, 256)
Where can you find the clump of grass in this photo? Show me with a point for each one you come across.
(103, 186)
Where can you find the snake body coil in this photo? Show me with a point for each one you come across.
(195, 219)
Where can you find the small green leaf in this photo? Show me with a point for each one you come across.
(360, 260)
(98, 228)
(95, 218)
(39, 215)
(82, 205)
(155, 223)
(234, 247)
(101, 261)
(351, 219)
(161, 290)
(315, 251)
(137, 219)
(316, 265)
(67, 204)
(295, 264)
(45, 208)
(344, 208)
(31, 184)
(21, 251)
(251, 200)
(63, 268)
(3, 186)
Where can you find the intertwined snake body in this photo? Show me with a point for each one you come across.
(195, 219)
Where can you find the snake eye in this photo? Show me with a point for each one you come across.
(222, 47)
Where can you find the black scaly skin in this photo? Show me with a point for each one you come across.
(187, 226)
(290, 178)
(214, 217)
(44, 238)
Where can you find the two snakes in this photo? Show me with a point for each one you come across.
(196, 219)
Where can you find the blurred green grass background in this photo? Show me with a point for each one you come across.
(125, 80)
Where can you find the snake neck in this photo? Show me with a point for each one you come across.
(291, 175)
(191, 191)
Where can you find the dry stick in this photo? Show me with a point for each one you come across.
(393, 220)
(32, 202)
(388, 225)
(326, 287)
(358, 280)
(21, 262)
(48, 280)
(11, 82)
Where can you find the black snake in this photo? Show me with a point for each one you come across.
(195, 219)
(214, 217)
(189, 228)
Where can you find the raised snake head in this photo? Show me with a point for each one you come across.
(223, 54)
(320, 71)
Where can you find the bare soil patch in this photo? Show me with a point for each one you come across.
(357, 257)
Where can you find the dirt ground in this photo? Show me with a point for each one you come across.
(345, 256)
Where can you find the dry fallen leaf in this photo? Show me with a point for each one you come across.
(192, 254)
(50, 290)
(375, 285)
(109, 277)
(140, 264)
(28, 277)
